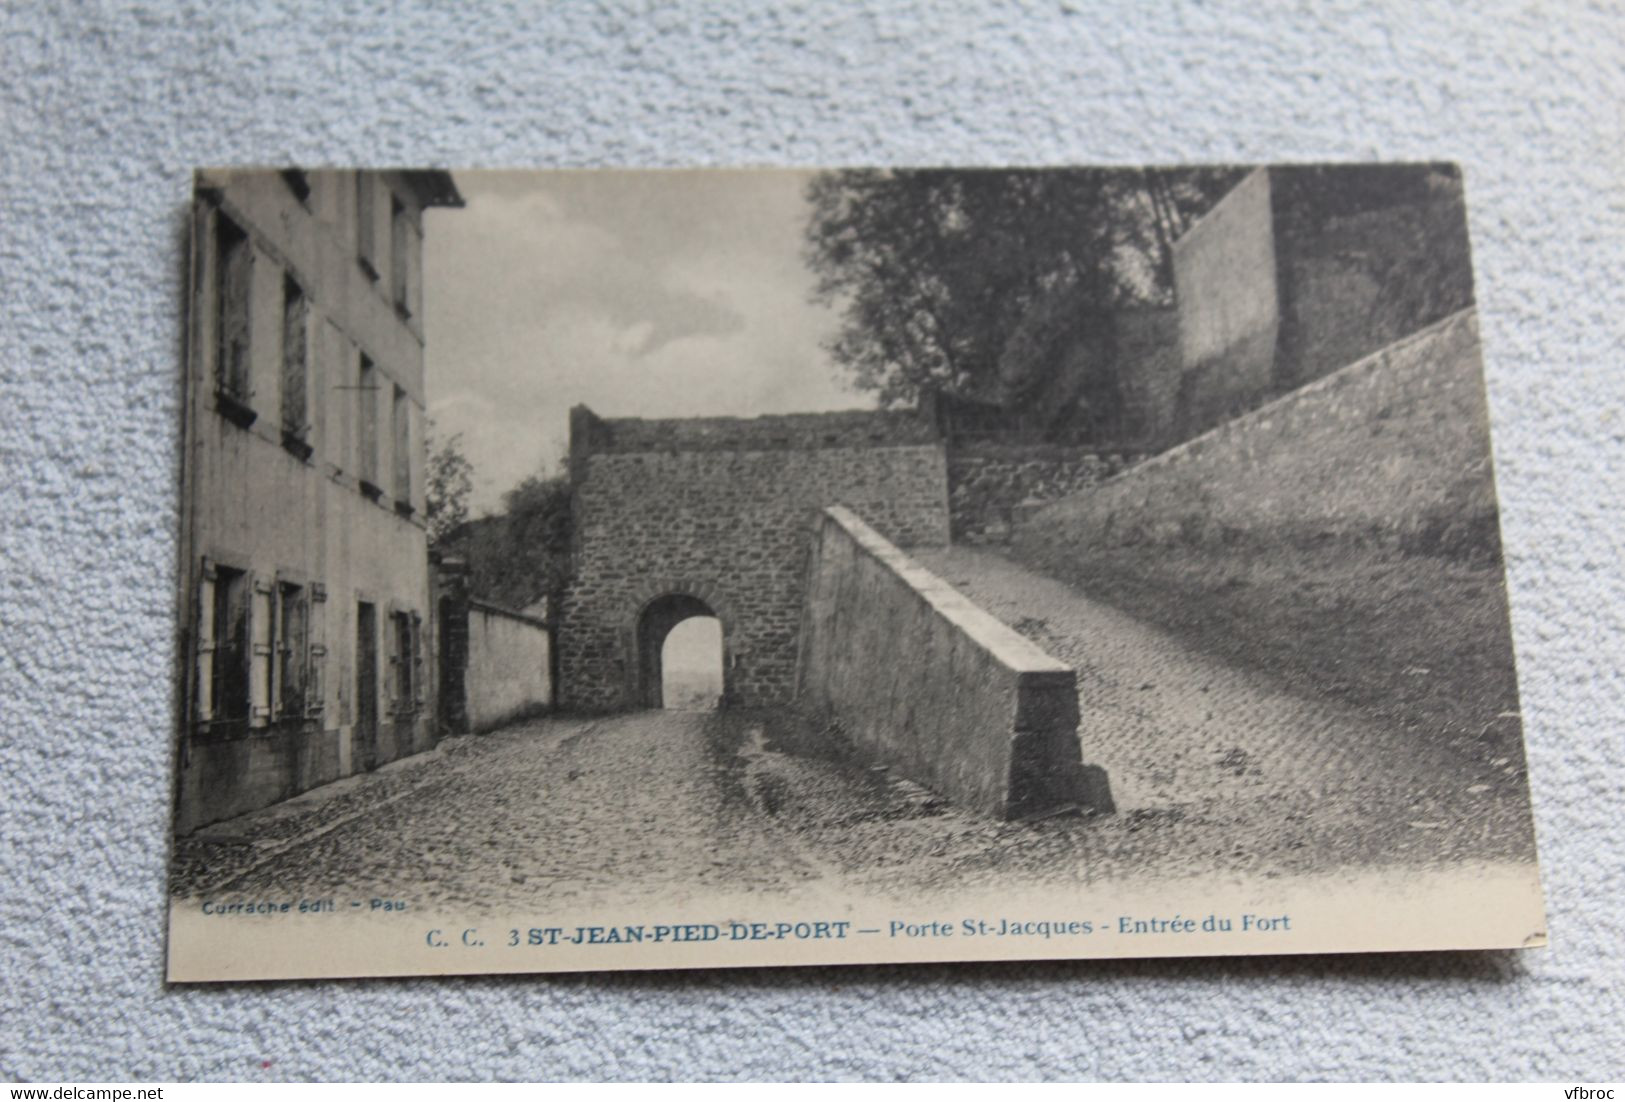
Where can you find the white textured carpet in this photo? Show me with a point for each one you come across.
(104, 111)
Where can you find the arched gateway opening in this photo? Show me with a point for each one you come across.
(680, 654)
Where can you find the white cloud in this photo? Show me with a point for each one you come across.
(636, 293)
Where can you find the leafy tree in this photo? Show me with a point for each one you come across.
(450, 482)
(521, 554)
(937, 272)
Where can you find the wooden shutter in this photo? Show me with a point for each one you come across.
(417, 661)
(292, 647)
(205, 643)
(367, 400)
(392, 643)
(261, 665)
(401, 446)
(414, 270)
(315, 683)
(279, 650)
(301, 655)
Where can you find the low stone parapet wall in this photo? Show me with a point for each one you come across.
(918, 676)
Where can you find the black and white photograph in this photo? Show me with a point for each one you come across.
(660, 568)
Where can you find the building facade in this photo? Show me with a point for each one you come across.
(305, 603)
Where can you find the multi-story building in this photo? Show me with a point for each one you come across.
(305, 593)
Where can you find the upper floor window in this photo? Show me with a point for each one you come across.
(298, 182)
(367, 427)
(295, 367)
(366, 223)
(401, 237)
(401, 431)
(233, 285)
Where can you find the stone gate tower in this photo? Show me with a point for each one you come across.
(714, 516)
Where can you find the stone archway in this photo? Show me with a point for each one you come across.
(653, 622)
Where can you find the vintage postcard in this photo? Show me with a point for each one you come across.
(665, 569)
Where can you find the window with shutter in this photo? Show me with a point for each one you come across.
(226, 667)
(315, 681)
(291, 650)
(367, 430)
(204, 699)
(414, 270)
(233, 283)
(261, 625)
(400, 256)
(366, 223)
(401, 430)
(295, 368)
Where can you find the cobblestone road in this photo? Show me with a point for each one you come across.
(583, 810)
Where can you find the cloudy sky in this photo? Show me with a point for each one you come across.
(653, 294)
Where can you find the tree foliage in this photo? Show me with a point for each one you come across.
(515, 557)
(522, 554)
(936, 271)
(450, 482)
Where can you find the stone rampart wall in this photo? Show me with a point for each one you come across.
(1391, 451)
(1354, 284)
(785, 431)
(1284, 282)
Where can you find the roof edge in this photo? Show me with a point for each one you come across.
(434, 187)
